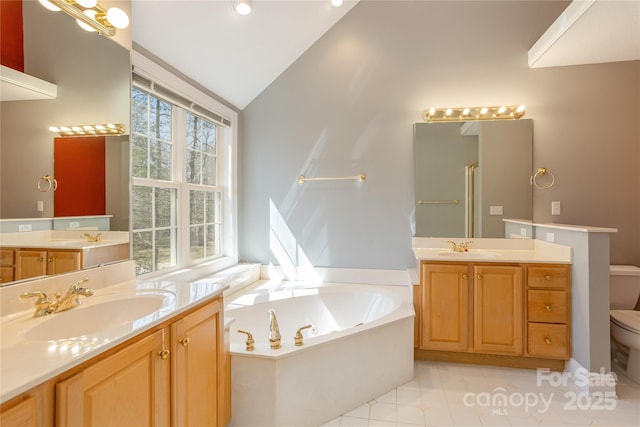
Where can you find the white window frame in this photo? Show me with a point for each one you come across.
(226, 174)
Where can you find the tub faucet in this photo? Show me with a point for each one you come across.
(72, 298)
(274, 330)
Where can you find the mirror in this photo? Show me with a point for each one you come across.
(93, 78)
(470, 176)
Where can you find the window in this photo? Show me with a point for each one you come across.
(176, 193)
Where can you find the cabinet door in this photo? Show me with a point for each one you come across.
(30, 263)
(21, 415)
(129, 388)
(497, 308)
(62, 261)
(445, 307)
(196, 342)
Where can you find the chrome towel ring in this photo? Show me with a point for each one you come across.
(46, 183)
(542, 172)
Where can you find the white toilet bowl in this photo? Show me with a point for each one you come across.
(625, 329)
(624, 320)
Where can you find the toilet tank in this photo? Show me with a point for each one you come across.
(624, 289)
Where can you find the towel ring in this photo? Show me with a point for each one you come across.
(543, 172)
(46, 183)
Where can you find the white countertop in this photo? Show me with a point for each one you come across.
(492, 250)
(62, 239)
(26, 363)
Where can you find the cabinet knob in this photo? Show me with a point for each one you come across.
(50, 260)
(164, 354)
(40, 259)
(184, 341)
(465, 276)
(548, 307)
(479, 277)
(547, 340)
(548, 277)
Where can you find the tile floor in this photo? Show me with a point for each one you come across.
(447, 394)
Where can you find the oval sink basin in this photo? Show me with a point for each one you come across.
(471, 254)
(94, 317)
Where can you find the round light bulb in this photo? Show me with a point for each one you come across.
(242, 7)
(49, 5)
(118, 18)
(54, 129)
(336, 3)
(91, 14)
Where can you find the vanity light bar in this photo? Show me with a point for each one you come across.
(506, 112)
(88, 130)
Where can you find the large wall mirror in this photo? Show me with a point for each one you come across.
(470, 176)
(93, 78)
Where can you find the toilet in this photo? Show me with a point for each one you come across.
(625, 321)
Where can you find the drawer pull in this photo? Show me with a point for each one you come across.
(184, 341)
(548, 277)
(464, 276)
(548, 307)
(547, 340)
(164, 354)
(479, 276)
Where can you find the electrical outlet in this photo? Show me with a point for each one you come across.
(551, 237)
(40, 206)
(555, 208)
(24, 227)
(74, 224)
(495, 210)
(523, 231)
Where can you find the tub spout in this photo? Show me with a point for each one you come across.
(274, 331)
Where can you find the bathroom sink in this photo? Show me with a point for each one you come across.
(104, 313)
(470, 254)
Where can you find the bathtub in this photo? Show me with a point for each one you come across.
(359, 347)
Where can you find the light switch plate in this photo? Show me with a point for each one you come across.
(555, 208)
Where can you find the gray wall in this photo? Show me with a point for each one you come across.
(348, 104)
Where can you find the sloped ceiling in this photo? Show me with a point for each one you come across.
(590, 32)
(234, 56)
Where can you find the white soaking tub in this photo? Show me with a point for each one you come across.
(360, 346)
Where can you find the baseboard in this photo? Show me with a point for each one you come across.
(601, 383)
(490, 359)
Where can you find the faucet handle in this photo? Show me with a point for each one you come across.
(298, 338)
(42, 297)
(250, 341)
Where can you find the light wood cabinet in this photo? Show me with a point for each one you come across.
(37, 262)
(549, 311)
(494, 313)
(128, 388)
(196, 361)
(497, 309)
(6, 265)
(177, 374)
(445, 307)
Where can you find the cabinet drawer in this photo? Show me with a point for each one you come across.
(547, 306)
(547, 340)
(6, 257)
(547, 277)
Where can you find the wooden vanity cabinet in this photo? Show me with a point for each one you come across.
(497, 309)
(445, 307)
(549, 311)
(40, 262)
(6, 265)
(197, 374)
(493, 313)
(177, 374)
(130, 387)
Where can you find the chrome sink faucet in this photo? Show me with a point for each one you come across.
(72, 297)
(45, 306)
(90, 238)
